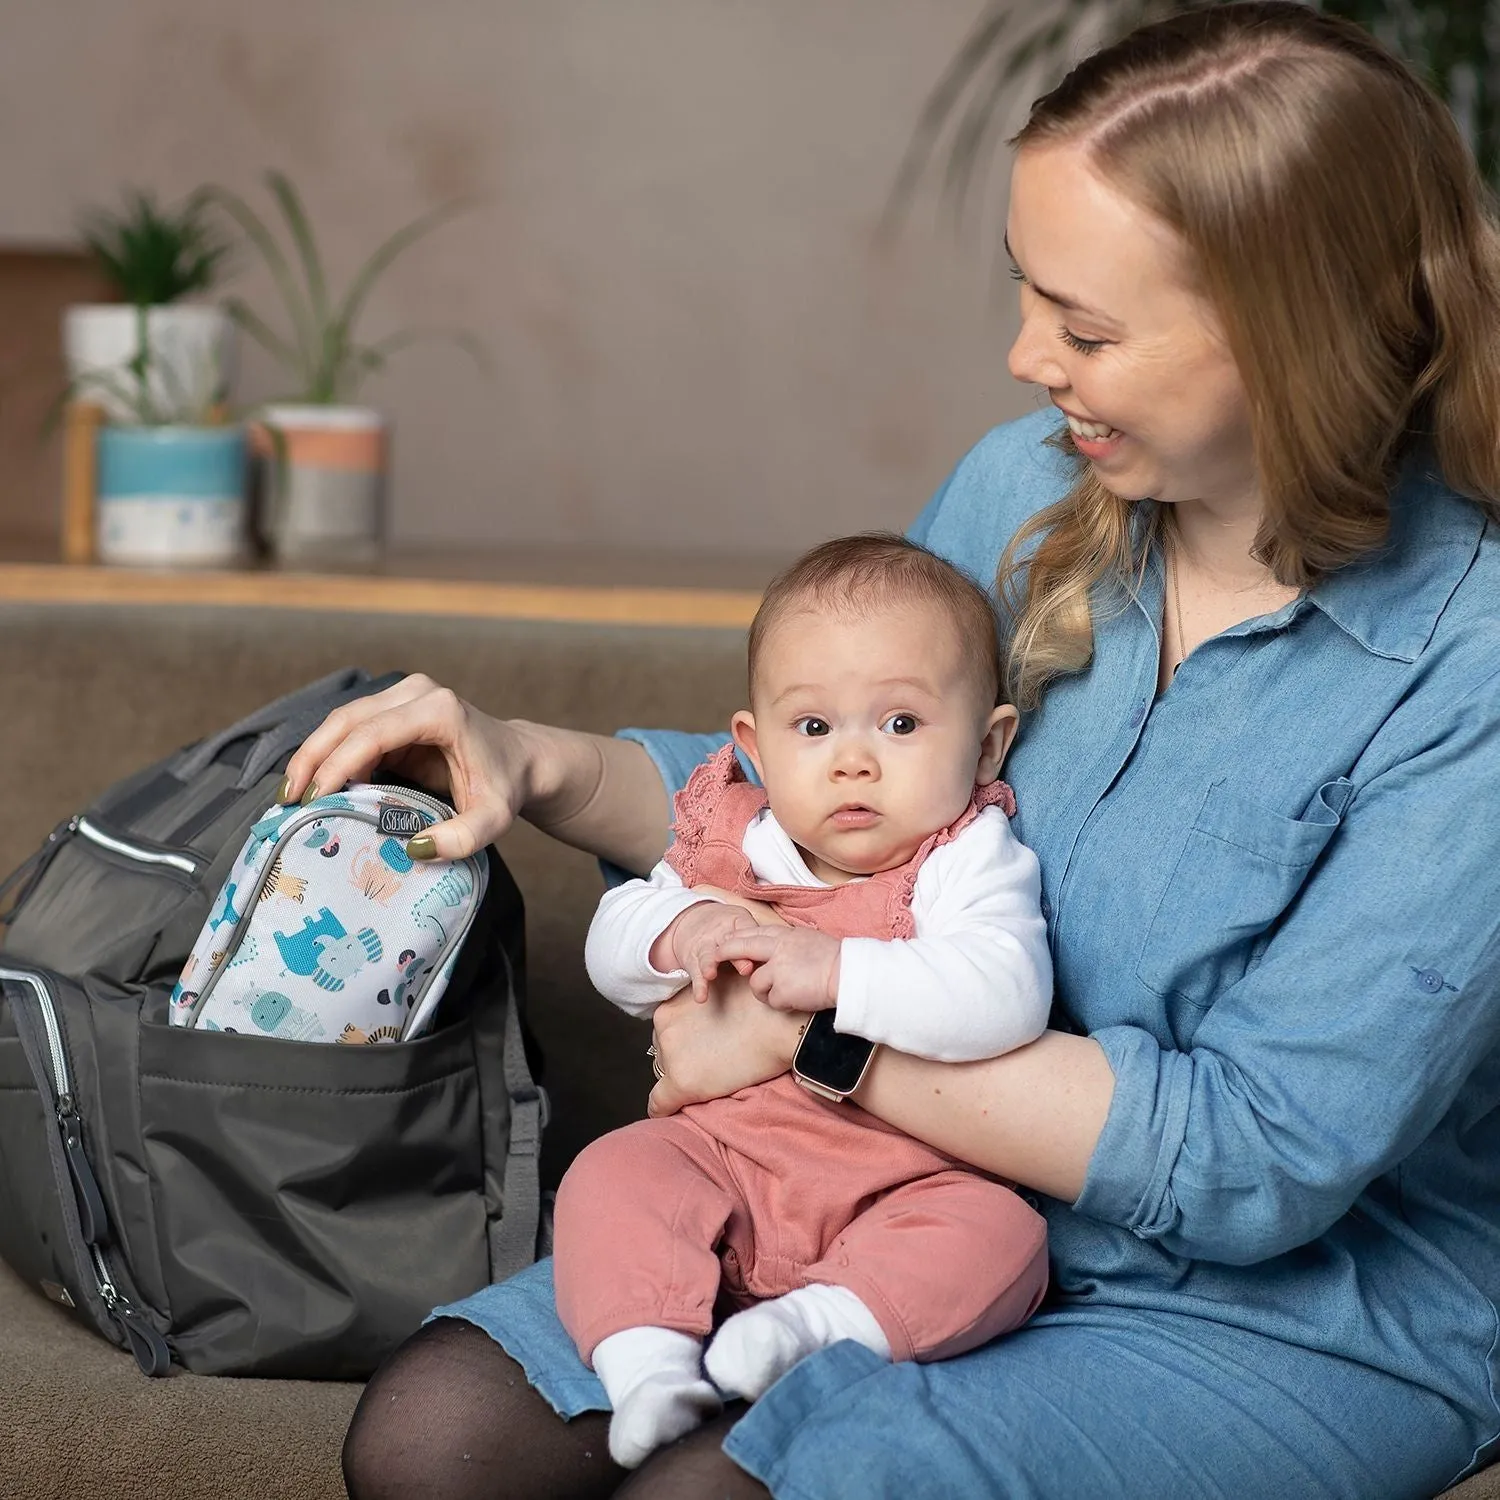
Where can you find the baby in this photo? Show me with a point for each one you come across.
(883, 839)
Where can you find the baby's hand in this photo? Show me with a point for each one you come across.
(795, 967)
(692, 942)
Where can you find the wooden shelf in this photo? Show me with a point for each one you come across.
(586, 588)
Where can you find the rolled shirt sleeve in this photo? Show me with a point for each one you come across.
(1339, 1051)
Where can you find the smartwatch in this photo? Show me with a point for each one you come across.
(829, 1063)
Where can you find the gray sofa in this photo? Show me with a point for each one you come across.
(91, 692)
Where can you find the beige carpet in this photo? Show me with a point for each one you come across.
(78, 1421)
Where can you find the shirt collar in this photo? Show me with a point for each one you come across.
(1390, 600)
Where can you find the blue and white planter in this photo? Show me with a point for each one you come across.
(172, 495)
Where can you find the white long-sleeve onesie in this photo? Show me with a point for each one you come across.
(974, 981)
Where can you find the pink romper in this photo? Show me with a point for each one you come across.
(673, 1223)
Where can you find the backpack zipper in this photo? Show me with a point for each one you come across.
(96, 835)
(148, 1346)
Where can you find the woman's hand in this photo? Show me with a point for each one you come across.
(598, 794)
(707, 1051)
(426, 734)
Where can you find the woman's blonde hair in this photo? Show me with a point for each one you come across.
(1337, 225)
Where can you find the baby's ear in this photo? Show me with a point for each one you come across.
(742, 732)
(993, 747)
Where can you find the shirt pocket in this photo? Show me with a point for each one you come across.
(1240, 869)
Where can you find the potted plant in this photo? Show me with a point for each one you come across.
(154, 257)
(325, 458)
(170, 468)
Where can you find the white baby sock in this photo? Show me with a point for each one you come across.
(654, 1380)
(755, 1348)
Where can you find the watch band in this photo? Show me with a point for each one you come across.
(833, 1096)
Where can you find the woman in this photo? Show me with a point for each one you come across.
(1255, 615)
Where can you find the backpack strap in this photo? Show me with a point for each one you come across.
(328, 692)
(513, 1238)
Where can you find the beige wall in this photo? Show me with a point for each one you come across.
(699, 344)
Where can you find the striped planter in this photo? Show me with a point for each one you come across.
(171, 495)
(324, 488)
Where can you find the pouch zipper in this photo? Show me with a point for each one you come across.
(311, 814)
(148, 1346)
(96, 835)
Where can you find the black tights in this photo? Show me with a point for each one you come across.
(450, 1416)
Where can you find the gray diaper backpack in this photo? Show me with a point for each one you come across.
(250, 1196)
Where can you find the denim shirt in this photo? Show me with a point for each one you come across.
(1273, 898)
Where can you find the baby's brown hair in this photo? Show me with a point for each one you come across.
(857, 575)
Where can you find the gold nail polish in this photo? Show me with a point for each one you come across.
(421, 847)
(284, 791)
(310, 794)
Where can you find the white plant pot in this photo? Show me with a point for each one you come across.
(192, 349)
(324, 482)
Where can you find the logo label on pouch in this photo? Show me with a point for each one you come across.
(402, 822)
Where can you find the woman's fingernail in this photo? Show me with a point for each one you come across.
(421, 847)
(284, 791)
(310, 794)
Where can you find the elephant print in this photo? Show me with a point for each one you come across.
(324, 950)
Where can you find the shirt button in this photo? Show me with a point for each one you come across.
(1046, 907)
(1429, 980)
(1139, 716)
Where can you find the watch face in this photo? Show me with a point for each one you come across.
(829, 1057)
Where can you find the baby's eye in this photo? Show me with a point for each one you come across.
(811, 726)
(900, 724)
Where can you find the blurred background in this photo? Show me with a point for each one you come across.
(663, 308)
(698, 341)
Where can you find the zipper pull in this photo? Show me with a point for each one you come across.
(92, 1219)
(34, 868)
(148, 1346)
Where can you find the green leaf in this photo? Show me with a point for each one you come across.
(290, 204)
(154, 255)
(377, 265)
(245, 318)
(458, 337)
(305, 331)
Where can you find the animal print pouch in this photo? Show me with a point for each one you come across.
(326, 930)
